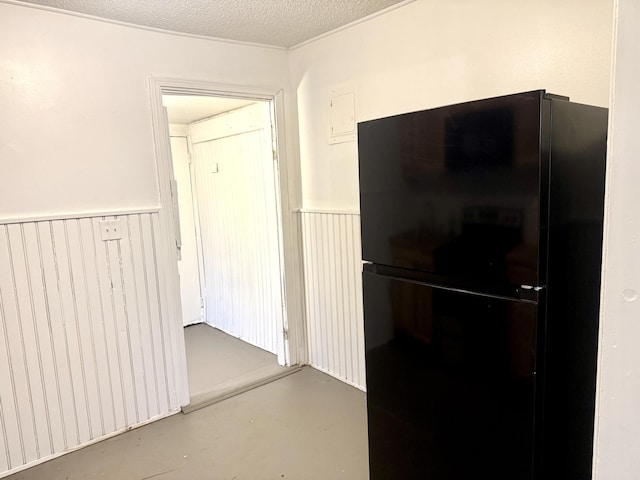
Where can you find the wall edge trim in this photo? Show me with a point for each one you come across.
(327, 211)
(71, 215)
(147, 28)
(351, 24)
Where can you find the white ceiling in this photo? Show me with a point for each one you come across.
(283, 23)
(185, 109)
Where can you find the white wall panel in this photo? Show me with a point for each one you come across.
(617, 435)
(333, 268)
(188, 263)
(236, 195)
(154, 316)
(83, 347)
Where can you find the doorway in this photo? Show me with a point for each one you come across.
(225, 193)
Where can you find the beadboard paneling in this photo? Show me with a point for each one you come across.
(84, 350)
(333, 281)
(236, 192)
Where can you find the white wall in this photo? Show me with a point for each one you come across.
(76, 142)
(617, 440)
(75, 120)
(426, 54)
(431, 53)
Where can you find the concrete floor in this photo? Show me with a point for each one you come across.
(220, 366)
(214, 358)
(306, 426)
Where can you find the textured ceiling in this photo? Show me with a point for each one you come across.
(282, 23)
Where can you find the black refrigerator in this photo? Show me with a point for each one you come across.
(481, 244)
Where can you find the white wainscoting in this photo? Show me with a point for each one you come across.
(333, 281)
(234, 174)
(85, 345)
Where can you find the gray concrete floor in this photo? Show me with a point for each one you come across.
(306, 426)
(214, 358)
(220, 366)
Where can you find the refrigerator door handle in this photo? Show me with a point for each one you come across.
(535, 288)
(369, 267)
(530, 292)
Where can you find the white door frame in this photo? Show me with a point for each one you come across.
(288, 233)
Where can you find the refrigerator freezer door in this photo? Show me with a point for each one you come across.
(455, 190)
(450, 383)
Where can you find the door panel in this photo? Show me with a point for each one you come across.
(449, 383)
(190, 294)
(236, 197)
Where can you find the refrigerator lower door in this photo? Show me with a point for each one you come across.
(450, 383)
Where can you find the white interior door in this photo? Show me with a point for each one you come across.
(234, 172)
(190, 291)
